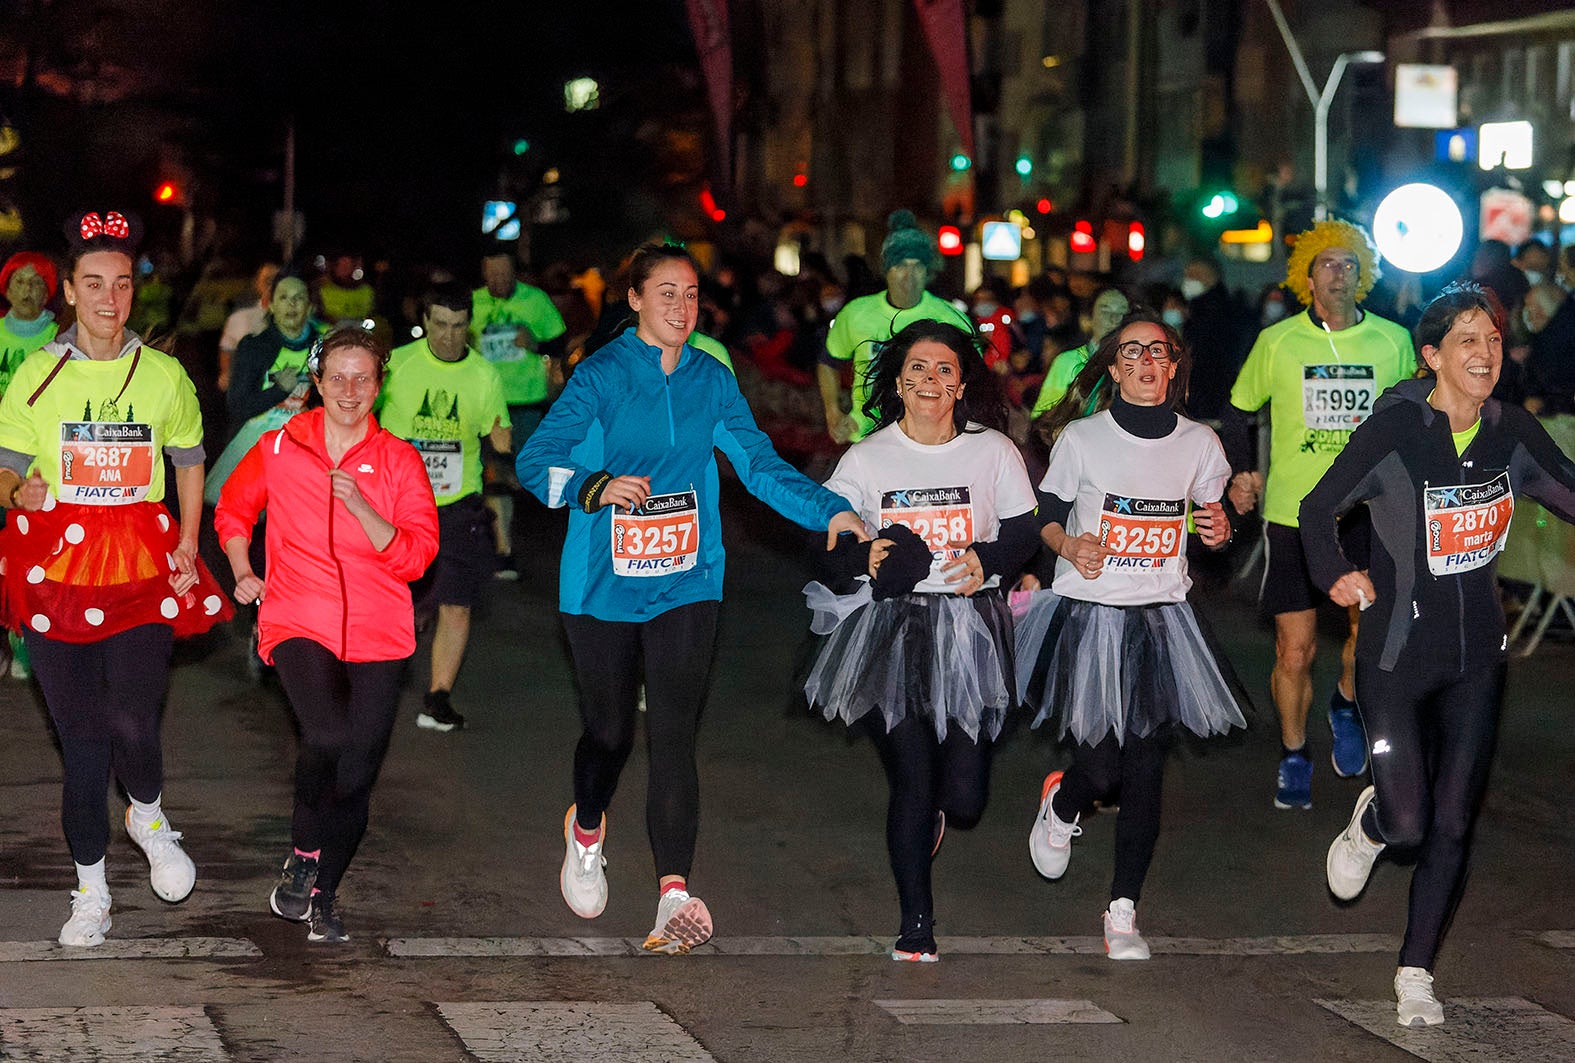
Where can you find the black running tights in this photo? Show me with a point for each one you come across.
(346, 712)
(1136, 771)
(677, 648)
(927, 775)
(104, 698)
(1431, 734)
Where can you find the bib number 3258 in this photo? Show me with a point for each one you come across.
(660, 538)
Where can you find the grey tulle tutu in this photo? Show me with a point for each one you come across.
(1107, 669)
(942, 657)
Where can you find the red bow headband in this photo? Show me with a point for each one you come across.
(112, 224)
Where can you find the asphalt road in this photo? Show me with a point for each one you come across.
(463, 950)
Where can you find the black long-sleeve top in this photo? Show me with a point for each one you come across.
(1425, 500)
(250, 392)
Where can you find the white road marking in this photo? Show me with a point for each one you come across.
(592, 947)
(1501, 1029)
(994, 1012)
(1557, 939)
(195, 948)
(555, 1031)
(109, 1035)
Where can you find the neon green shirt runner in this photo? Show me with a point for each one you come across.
(1058, 381)
(14, 349)
(1319, 386)
(494, 331)
(443, 409)
(871, 320)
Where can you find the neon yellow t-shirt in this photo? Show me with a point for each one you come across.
(1319, 386)
(347, 304)
(494, 326)
(870, 320)
(1058, 381)
(98, 432)
(14, 349)
(715, 348)
(443, 409)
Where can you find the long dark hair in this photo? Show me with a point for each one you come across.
(1093, 389)
(980, 401)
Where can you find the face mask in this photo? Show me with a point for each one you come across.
(1173, 318)
(984, 309)
(831, 305)
(1191, 289)
(1535, 277)
(1028, 316)
(1273, 311)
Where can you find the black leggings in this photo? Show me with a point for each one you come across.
(677, 647)
(1432, 734)
(926, 775)
(346, 712)
(104, 697)
(1135, 770)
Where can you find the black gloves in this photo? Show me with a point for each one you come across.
(905, 564)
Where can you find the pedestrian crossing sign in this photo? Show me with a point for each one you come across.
(1003, 241)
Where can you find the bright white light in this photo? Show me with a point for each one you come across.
(368, 324)
(1569, 188)
(1506, 144)
(1553, 189)
(1418, 228)
(1136, 242)
(786, 258)
(416, 332)
(581, 94)
(1567, 211)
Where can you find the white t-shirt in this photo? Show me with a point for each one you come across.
(952, 495)
(1133, 494)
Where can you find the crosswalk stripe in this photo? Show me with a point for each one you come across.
(605, 947)
(91, 1035)
(558, 1031)
(193, 948)
(994, 1012)
(1503, 1029)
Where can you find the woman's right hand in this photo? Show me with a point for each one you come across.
(630, 492)
(1085, 554)
(33, 493)
(249, 588)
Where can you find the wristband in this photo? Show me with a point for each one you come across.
(591, 493)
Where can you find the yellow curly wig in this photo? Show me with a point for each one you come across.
(1321, 237)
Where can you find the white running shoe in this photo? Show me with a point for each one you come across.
(1351, 854)
(1415, 1003)
(682, 922)
(170, 870)
(582, 880)
(1122, 940)
(89, 920)
(1050, 841)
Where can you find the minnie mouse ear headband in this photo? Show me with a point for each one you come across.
(111, 231)
(40, 264)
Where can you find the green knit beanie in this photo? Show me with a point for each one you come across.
(904, 240)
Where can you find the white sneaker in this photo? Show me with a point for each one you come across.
(1415, 1003)
(1122, 940)
(682, 922)
(89, 920)
(582, 880)
(170, 870)
(1050, 841)
(1351, 854)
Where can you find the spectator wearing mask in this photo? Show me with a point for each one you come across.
(1213, 331)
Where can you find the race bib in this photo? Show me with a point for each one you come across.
(1142, 533)
(445, 462)
(105, 463)
(941, 516)
(1466, 525)
(660, 538)
(1337, 396)
(497, 344)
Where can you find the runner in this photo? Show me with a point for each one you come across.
(445, 398)
(910, 259)
(97, 575)
(631, 443)
(335, 616)
(1113, 647)
(1439, 464)
(1319, 373)
(920, 656)
(1110, 306)
(246, 320)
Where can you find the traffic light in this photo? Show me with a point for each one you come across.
(949, 239)
(1219, 205)
(961, 162)
(1044, 206)
(1025, 167)
(1137, 241)
(709, 205)
(1082, 241)
(170, 194)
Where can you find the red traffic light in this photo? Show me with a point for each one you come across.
(1082, 241)
(168, 192)
(800, 179)
(709, 205)
(1137, 241)
(1044, 206)
(950, 240)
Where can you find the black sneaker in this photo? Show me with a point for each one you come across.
(439, 715)
(916, 943)
(292, 897)
(325, 922)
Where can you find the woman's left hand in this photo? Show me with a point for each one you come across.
(184, 578)
(846, 521)
(1212, 524)
(966, 573)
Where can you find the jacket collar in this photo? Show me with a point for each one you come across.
(306, 428)
(66, 343)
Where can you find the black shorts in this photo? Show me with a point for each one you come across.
(465, 558)
(1287, 586)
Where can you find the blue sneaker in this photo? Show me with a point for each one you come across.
(1349, 755)
(1295, 782)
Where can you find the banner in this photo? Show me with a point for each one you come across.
(714, 46)
(946, 33)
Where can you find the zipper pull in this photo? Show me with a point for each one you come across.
(1416, 614)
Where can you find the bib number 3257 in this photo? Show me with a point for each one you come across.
(660, 538)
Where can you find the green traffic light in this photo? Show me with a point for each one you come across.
(1025, 166)
(1220, 204)
(521, 146)
(961, 162)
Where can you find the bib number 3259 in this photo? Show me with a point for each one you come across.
(660, 538)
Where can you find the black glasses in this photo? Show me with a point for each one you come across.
(1159, 350)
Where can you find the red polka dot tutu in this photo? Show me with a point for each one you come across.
(83, 573)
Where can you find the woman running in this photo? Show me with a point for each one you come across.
(920, 656)
(631, 444)
(1439, 465)
(1113, 647)
(96, 575)
(351, 522)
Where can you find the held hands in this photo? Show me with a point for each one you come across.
(1212, 524)
(1085, 554)
(848, 521)
(841, 427)
(286, 379)
(33, 493)
(1353, 588)
(966, 573)
(249, 589)
(1246, 489)
(184, 578)
(1028, 583)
